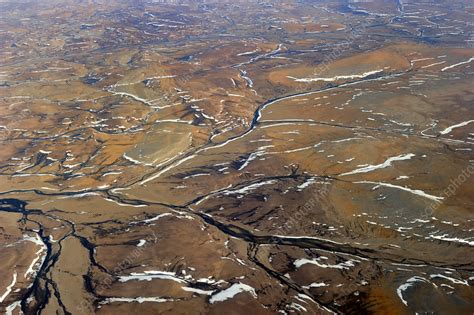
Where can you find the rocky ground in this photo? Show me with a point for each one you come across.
(236, 157)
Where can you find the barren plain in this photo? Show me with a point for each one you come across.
(236, 157)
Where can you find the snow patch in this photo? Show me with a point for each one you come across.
(385, 164)
(232, 291)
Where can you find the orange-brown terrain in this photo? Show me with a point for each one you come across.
(236, 157)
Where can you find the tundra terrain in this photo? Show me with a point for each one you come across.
(236, 157)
